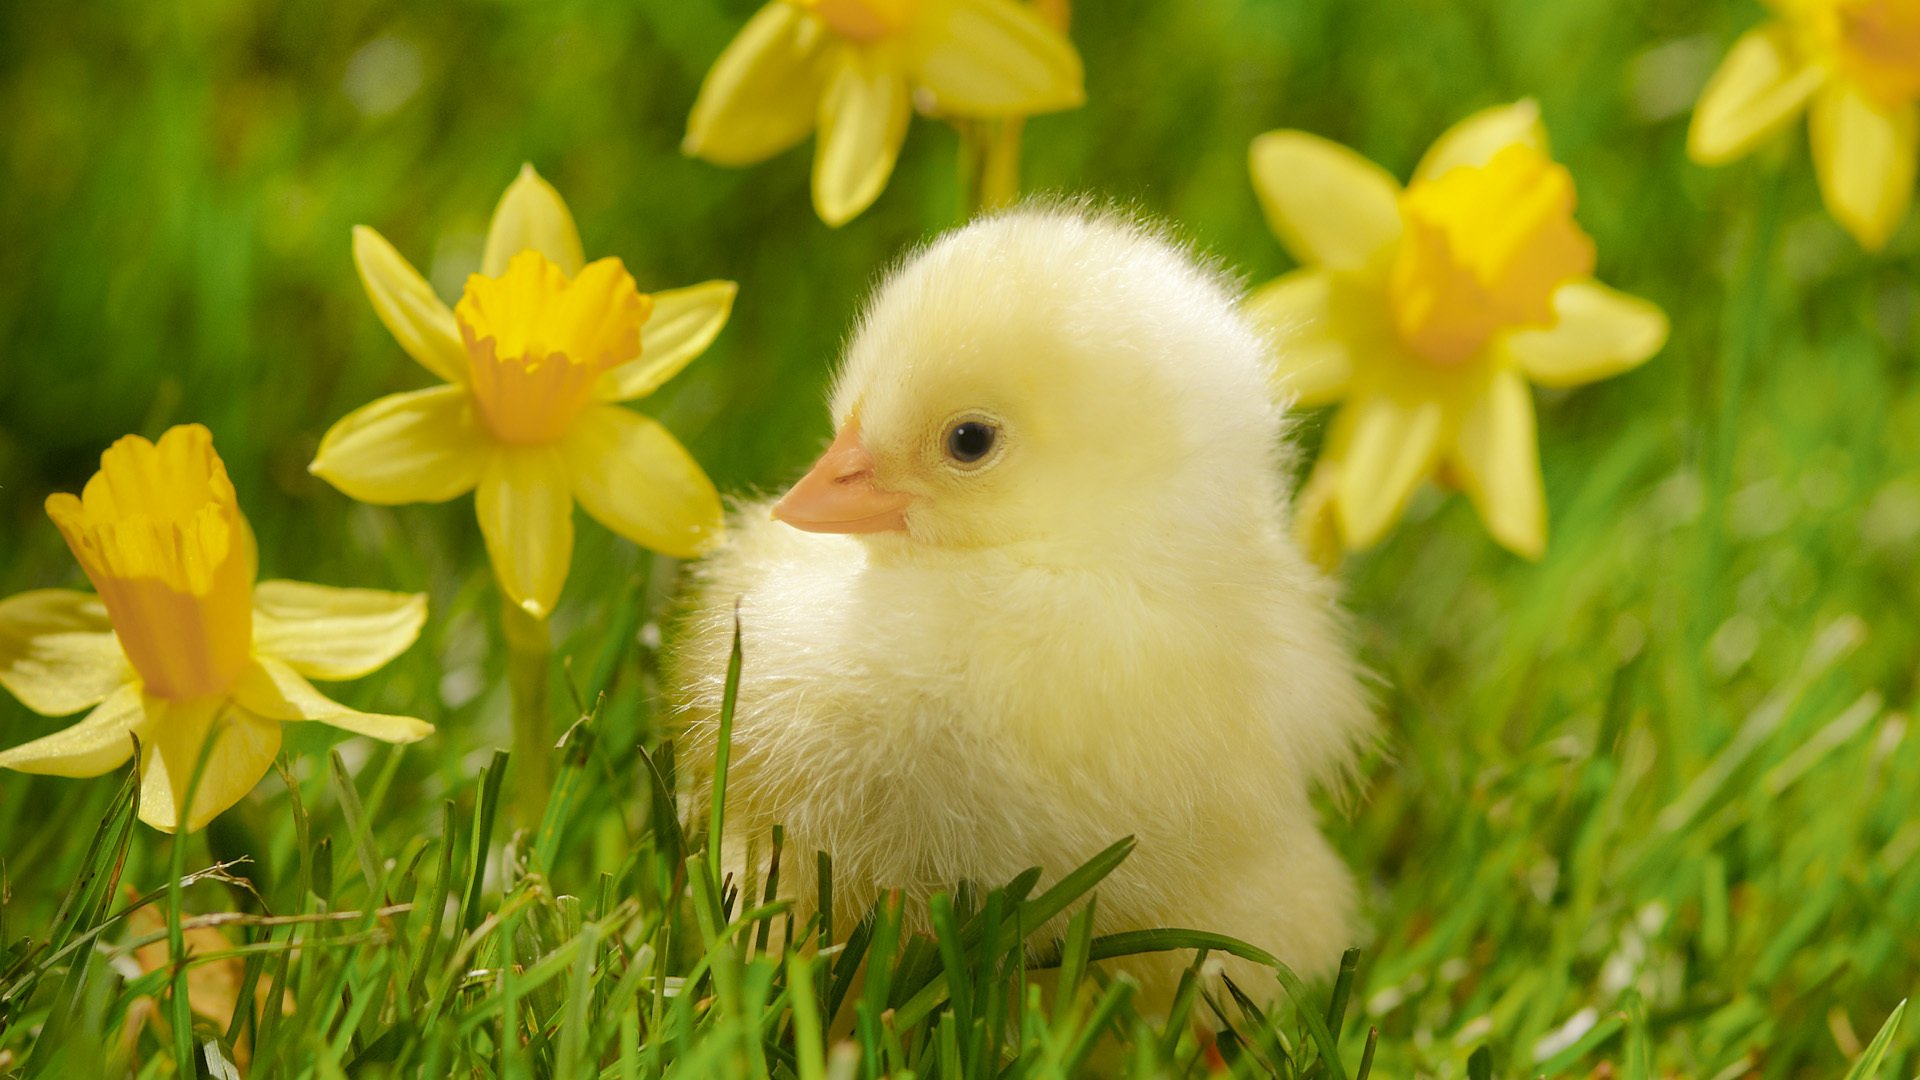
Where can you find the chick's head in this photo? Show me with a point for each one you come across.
(1045, 378)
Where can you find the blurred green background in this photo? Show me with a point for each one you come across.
(1670, 757)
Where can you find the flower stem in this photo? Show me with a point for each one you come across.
(990, 149)
(989, 163)
(529, 651)
(1743, 330)
(1745, 324)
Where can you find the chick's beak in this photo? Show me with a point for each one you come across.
(840, 495)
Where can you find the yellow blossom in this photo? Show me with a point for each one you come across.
(1426, 312)
(1854, 67)
(855, 69)
(179, 644)
(535, 354)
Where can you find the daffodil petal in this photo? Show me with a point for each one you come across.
(1476, 139)
(532, 217)
(416, 316)
(1312, 362)
(763, 94)
(863, 119)
(1385, 448)
(525, 506)
(243, 750)
(1864, 153)
(58, 654)
(99, 742)
(1328, 205)
(276, 691)
(636, 479)
(1497, 461)
(1598, 333)
(997, 58)
(328, 633)
(684, 322)
(420, 446)
(1759, 88)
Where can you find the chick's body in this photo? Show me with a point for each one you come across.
(1097, 628)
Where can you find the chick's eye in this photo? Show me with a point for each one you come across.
(970, 440)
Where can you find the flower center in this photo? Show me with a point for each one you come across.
(158, 530)
(537, 341)
(1484, 248)
(1875, 43)
(863, 20)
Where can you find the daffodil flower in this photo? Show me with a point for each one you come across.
(1427, 311)
(534, 356)
(855, 70)
(1854, 67)
(179, 644)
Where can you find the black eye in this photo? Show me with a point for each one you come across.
(970, 440)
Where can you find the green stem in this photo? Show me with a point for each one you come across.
(973, 163)
(1744, 326)
(989, 163)
(529, 652)
(1745, 323)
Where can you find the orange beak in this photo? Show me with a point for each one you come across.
(839, 495)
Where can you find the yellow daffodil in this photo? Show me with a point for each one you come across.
(855, 69)
(180, 644)
(1427, 310)
(535, 354)
(1854, 66)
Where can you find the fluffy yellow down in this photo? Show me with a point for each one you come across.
(1104, 631)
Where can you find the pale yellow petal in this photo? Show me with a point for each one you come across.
(532, 217)
(1385, 449)
(1497, 462)
(1759, 88)
(636, 479)
(763, 94)
(277, 692)
(863, 119)
(421, 446)
(684, 322)
(99, 742)
(1476, 139)
(1865, 153)
(526, 514)
(328, 633)
(416, 316)
(1312, 361)
(1328, 205)
(243, 749)
(58, 654)
(1598, 333)
(996, 58)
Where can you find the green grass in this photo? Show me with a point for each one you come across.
(1650, 804)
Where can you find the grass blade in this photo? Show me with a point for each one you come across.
(576, 755)
(484, 811)
(723, 753)
(1868, 1066)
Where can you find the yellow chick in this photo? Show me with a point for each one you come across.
(1040, 594)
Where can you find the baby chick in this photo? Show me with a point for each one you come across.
(1039, 594)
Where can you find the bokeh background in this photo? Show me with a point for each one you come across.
(1671, 758)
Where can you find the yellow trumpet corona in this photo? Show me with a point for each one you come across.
(1426, 311)
(179, 645)
(537, 355)
(1853, 67)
